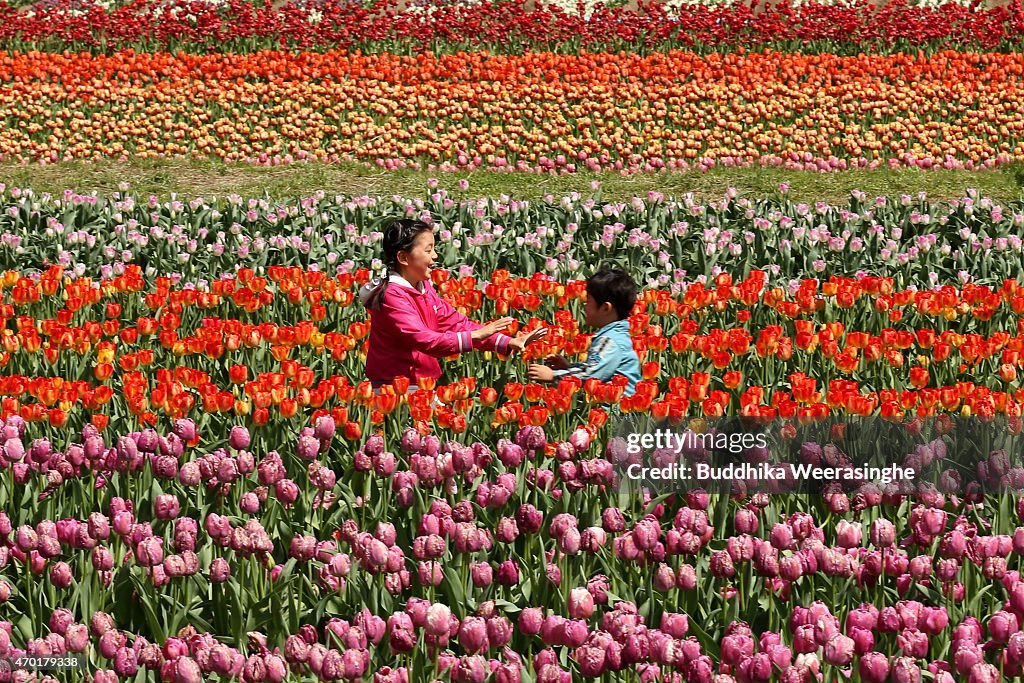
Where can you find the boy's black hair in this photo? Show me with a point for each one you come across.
(614, 286)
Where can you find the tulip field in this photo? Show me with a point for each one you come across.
(198, 483)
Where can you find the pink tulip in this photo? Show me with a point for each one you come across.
(61, 575)
(905, 670)
(612, 520)
(676, 625)
(439, 618)
(187, 671)
(848, 534)
(581, 603)
(745, 521)
(686, 577)
(874, 667)
(781, 536)
(531, 620)
(983, 672)
(166, 506)
(721, 564)
(473, 635)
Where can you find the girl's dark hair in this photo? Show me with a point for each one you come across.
(399, 236)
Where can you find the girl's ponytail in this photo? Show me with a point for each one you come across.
(374, 291)
(399, 236)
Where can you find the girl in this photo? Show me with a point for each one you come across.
(411, 326)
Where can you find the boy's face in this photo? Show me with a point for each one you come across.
(598, 315)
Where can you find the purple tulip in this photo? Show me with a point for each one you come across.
(308, 447)
(905, 670)
(983, 672)
(473, 634)
(508, 573)
(531, 620)
(874, 667)
(239, 438)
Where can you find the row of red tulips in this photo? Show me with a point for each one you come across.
(510, 26)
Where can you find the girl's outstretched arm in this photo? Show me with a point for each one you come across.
(450, 319)
(405, 321)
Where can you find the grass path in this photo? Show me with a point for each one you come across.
(210, 179)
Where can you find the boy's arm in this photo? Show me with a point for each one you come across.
(451, 320)
(602, 361)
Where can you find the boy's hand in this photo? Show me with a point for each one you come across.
(521, 341)
(492, 328)
(557, 362)
(540, 373)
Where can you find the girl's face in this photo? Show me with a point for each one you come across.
(417, 262)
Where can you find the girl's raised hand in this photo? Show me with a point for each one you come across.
(492, 328)
(521, 341)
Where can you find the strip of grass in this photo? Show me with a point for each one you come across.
(188, 179)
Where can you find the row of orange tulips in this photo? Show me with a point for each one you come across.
(540, 111)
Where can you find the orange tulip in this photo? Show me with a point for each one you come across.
(650, 370)
(57, 417)
(1007, 373)
(289, 408)
(401, 385)
(103, 371)
(513, 390)
(488, 396)
(732, 379)
(238, 374)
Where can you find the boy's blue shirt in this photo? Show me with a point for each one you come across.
(611, 353)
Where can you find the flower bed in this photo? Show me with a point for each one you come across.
(510, 27)
(537, 112)
(197, 484)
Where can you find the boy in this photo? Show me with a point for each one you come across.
(610, 298)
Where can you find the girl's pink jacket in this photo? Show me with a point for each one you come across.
(413, 328)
